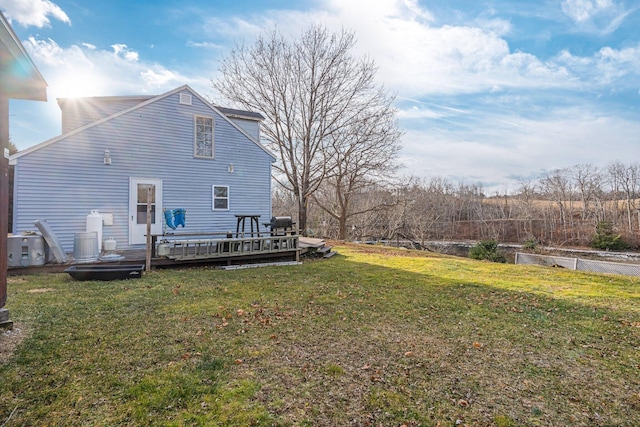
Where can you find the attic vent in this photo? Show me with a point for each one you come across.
(185, 98)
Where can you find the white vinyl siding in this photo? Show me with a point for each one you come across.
(203, 144)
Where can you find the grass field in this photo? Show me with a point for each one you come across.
(371, 337)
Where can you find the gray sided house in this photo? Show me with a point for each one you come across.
(198, 157)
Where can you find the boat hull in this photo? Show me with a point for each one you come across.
(105, 272)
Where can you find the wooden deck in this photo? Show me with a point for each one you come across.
(196, 249)
(189, 249)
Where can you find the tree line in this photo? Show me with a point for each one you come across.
(562, 207)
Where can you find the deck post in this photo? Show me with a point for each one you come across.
(4, 207)
(147, 267)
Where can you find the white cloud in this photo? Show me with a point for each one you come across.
(499, 27)
(89, 46)
(121, 50)
(414, 56)
(47, 51)
(205, 45)
(504, 147)
(415, 113)
(420, 59)
(606, 66)
(89, 71)
(583, 10)
(595, 16)
(160, 78)
(33, 12)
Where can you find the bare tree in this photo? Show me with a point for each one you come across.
(428, 207)
(626, 180)
(364, 152)
(587, 180)
(558, 186)
(525, 198)
(312, 93)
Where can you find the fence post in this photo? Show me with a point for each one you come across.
(575, 264)
(516, 261)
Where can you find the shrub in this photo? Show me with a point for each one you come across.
(530, 244)
(487, 250)
(606, 238)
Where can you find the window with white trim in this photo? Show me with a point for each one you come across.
(220, 195)
(203, 144)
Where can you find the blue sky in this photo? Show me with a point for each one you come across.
(488, 92)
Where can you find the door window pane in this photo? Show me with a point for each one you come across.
(142, 193)
(141, 207)
(142, 214)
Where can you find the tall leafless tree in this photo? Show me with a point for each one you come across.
(626, 180)
(558, 186)
(363, 153)
(312, 92)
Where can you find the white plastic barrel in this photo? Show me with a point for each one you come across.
(94, 223)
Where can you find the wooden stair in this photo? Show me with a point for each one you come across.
(326, 251)
(315, 248)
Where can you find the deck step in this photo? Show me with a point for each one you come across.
(329, 254)
(324, 249)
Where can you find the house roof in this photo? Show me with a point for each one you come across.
(19, 77)
(139, 98)
(13, 159)
(242, 114)
(229, 112)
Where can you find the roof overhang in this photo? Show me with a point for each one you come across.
(19, 77)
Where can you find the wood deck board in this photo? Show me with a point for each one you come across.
(310, 242)
(139, 255)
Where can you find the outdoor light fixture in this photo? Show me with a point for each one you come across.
(230, 168)
(107, 156)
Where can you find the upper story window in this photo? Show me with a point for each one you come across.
(203, 145)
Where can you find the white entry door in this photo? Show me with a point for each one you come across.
(138, 191)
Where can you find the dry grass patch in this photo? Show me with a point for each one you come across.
(9, 340)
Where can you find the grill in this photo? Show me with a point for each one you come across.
(281, 222)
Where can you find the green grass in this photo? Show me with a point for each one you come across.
(371, 337)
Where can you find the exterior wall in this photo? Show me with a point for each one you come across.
(77, 112)
(63, 181)
(252, 127)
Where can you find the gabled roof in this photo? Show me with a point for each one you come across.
(151, 100)
(229, 112)
(19, 77)
(139, 98)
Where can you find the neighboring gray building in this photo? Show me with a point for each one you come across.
(205, 159)
(19, 79)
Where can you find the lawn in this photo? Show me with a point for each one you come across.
(371, 337)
